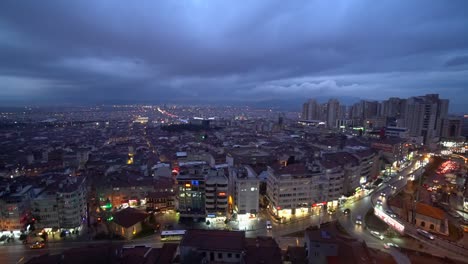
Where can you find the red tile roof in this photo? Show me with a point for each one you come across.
(421, 208)
(431, 211)
(129, 217)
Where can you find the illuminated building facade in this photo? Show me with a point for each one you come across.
(395, 150)
(293, 189)
(62, 205)
(190, 198)
(244, 183)
(15, 207)
(216, 195)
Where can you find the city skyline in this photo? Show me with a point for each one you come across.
(192, 52)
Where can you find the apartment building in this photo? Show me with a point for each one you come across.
(331, 182)
(62, 204)
(394, 150)
(190, 191)
(216, 195)
(350, 166)
(424, 116)
(244, 187)
(124, 190)
(72, 204)
(293, 189)
(45, 209)
(15, 207)
(368, 162)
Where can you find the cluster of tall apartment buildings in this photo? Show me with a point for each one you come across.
(425, 116)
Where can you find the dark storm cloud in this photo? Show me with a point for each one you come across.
(214, 50)
(457, 61)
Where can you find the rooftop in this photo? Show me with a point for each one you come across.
(349, 250)
(215, 240)
(262, 250)
(129, 217)
(296, 255)
(297, 168)
(431, 211)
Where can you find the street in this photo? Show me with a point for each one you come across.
(435, 247)
(18, 253)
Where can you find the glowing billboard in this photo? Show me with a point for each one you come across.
(390, 221)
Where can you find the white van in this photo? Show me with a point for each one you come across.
(268, 225)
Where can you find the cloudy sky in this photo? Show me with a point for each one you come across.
(216, 51)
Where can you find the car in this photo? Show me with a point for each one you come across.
(390, 213)
(346, 211)
(379, 202)
(383, 194)
(37, 245)
(268, 225)
(400, 177)
(426, 234)
(454, 214)
(377, 234)
(389, 245)
(359, 220)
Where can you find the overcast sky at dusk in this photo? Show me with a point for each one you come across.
(202, 51)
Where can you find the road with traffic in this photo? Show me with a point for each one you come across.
(415, 241)
(18, 253)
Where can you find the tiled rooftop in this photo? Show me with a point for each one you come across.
(214, 240)
(129, 217)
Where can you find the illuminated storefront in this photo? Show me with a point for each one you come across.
(282, 212)
(302, 211)
(318, 207)
(332, 205)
